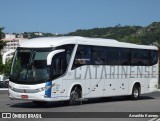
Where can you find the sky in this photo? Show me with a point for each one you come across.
(64, 16)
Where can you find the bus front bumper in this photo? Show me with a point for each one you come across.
(39, 96)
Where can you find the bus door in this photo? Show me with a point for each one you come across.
(58, 68)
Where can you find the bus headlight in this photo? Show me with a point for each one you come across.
(41, 89)
(45, 88)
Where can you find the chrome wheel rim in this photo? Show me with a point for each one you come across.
(74, 97)
(135, 93)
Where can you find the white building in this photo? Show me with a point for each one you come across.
(10, 36)
(39, 33)
(11, 43)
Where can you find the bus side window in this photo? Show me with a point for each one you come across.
(153, 57)
(125, 56)
(133, 57)
(68, 50)
(147, 57)
(140, 57)
(82, 56)
(98, 55)
(113, 56)
(59, 65)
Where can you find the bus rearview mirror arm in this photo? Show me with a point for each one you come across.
(5, 56)
(51, 54)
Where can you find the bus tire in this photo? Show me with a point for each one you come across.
(75, 96)
(135, 92)
(40, 103)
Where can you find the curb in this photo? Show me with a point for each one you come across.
(3, 89)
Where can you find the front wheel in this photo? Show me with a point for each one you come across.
(135, 92)
(75, 97)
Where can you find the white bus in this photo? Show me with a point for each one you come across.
(76, 68)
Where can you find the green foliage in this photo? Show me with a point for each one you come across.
(116, 32)
(1, 32)
(5, 69)
(132, 34)
(1, 66)
(2, 43)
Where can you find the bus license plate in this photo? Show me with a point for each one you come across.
(24, 96)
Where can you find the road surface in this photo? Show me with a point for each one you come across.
(146, 103)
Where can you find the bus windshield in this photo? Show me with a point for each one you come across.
(29, 66)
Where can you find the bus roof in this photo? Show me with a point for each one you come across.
(45, 42)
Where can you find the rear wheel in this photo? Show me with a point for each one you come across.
(135, 92)
(75, 96)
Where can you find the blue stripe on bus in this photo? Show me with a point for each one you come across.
(48, 91)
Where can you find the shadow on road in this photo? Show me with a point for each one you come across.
(89, 101)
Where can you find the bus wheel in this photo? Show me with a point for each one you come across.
(75, 96)
(40, 103)
(135, 92)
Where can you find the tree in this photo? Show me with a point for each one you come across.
(1, 66)
(1, 32)
(2, 43)
(5, 69)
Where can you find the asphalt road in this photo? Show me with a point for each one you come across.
(146, 103)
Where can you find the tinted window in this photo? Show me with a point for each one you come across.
(125, 56)
(98, 55)
(82, 56)
(134, 57)
(61, 60)
(29, 66)
(146, 57)
(59, 65)
(153, 57)
(112, 56)
(140, 57)
(68, 51)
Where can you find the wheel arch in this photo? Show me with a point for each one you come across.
(73, 86)
(133, 84)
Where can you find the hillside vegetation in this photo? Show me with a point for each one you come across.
(149, 35)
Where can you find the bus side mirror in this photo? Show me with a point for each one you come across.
(5, 56)
(51, 54)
